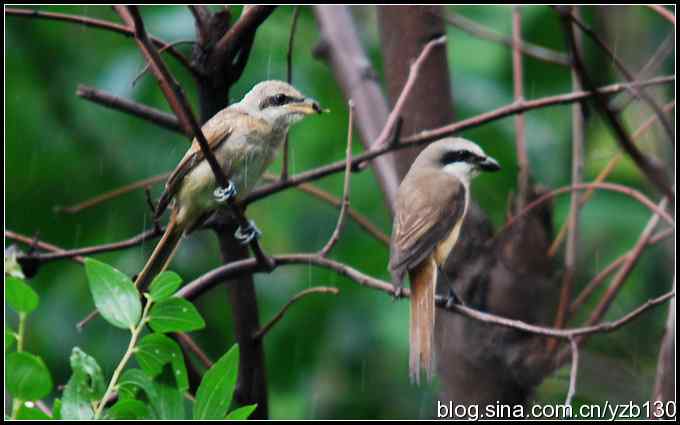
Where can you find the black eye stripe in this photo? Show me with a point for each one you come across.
(450, 157)
(278, 100)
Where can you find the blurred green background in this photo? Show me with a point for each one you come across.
(341, 356)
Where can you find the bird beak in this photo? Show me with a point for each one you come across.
(489, 164)
(307, 107)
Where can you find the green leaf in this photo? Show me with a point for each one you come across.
(31, 413)
(114, 294)
(217, 387)
(242, 413)
(27, 377)
(85, 386)
(164, 285)
(21, 297)
(175, 315)
(165, 399)
(128, 409)
(10, 338)
(155, 350)
(56, 409)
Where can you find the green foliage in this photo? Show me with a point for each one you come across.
(164, 285)
(28, 377)
(85, 386)
(31, 413)
(10, 338)
(21, 297)
(114, 294)
(156, 350)
(175, 315)
(217, 387)
(128, 410)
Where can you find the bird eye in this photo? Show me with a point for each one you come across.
(279, 99)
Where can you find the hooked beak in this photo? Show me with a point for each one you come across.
(489, 164)
(308, 106)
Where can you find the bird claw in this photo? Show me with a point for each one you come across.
(223, 194)
(453, 299)
(398, 292)
(245, 236)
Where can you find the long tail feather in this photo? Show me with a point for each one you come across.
(423, 286)
(161, 256)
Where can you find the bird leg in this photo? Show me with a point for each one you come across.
(223, 194)
(247, 234)
(453, 297)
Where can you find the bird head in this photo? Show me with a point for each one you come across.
(279, 103)
(459, 157)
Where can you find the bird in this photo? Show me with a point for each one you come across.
(430, 207)
(244, 137)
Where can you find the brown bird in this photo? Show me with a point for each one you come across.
(430, 207)
(244, 138)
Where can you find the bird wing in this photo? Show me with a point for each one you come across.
(216, 131)
(428, 206)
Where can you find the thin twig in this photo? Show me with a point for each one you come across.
(315, 290)
(577, 146)
(191, 345)
(156, 116)
(602, 176)
(100, 24)
(115, 193)
(201, 16)
(595, 282)
(289, 78)
(638, 92)
(637, 195)
(667, 14)
(161, 50)
(651, 170)
(534, 50)
(41, 244)
(346, 187)
(520, 134)
(414, 71)
(574, 371)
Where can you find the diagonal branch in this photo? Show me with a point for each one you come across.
(653, 171)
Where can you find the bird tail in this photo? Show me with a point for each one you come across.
(161, 256)
(423, 287)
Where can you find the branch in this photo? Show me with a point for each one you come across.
(573, 373)
(156, 116)
(602, 176)
(667, 14)
(393, 117)
(251, 18)
(250, 266)
(100, 24)
(115, 193)
(653, 172)
(289, 78)
(40, 244)
(529, 49)
(626, 74)
(315, 290)
(520, 133)
(427, 136)
(606, 186)
(346, 187)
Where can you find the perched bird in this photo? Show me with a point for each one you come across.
(244, 138)
(431, 204)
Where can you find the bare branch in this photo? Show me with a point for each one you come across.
(115, 193)
(245, 27)
(520, 133)
(289, 78)
(653, 171)
(346, 187)
(158, 117)
(191, 345)
(100, 24)
(40, 244)
(667, 14)
(315, 290)
(529, 49)
(604, 173)
(573, 373)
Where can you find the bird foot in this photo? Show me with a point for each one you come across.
(398, 292)
(454, 299)
(223, 194)
(245, 236)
